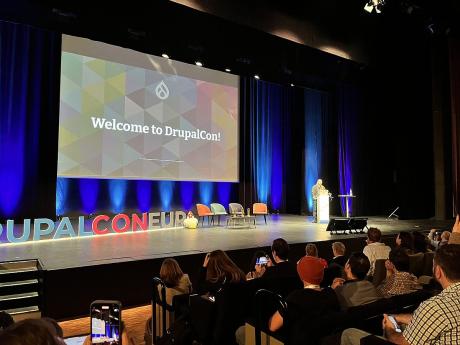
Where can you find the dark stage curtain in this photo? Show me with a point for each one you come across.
(29, 73)
(454, 64)
(269, 109)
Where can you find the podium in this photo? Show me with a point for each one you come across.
(346, 203)
(322, 211)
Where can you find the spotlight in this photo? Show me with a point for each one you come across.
(256, 76)
(376, 5)
(198, 63)
(228, 70)
(292, 84)
(166, 56)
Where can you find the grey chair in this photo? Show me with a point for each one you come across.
(235, 209)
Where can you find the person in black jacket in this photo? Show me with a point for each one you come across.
(281, 277)
(225, 284)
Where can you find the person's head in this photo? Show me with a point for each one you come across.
(319, 182)
(405, 240)
(357, 266)
(310, 270)
(446, 269)
(311, 250)
(338, 249)
(420, 242)
(280, 250)
(30, 332)
(5, 320)
(445, 236)
(55, 325)
(400, 259)
(190, 214)
(257, 254)
(373, 235)
(221, 268)
(170, 272)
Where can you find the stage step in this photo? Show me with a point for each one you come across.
(21, 287)
(31, 312)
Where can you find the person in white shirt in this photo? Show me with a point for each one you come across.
(375, 249)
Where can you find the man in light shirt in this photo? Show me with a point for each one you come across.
(375, 249)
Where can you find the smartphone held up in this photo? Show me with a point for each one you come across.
(105, 322)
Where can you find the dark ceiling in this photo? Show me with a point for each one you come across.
(186, 34)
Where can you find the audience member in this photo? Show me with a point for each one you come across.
(375, 249)
(282, 277)
(312, 299)
(420, 242)
(336, 265)
(435, 321)
(30, 332)
(398, 281)
(405, 240)
(5, 320)
(222, 278)
(354, 290)
(438, 238)
(306, 305)
(190, 222)
(257, 269)
(176, 281)
(338, 250)
(312, 250)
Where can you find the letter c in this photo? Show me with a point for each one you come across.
(96, 221)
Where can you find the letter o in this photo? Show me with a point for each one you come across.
(126, 127)
(115, 223)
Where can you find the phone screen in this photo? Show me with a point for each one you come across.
(263, 260)
(393, 321)
(80, 340)
(106, 323)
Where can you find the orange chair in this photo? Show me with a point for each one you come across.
(203, 211)
(260, 208)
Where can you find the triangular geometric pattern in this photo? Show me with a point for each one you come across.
(93, 89)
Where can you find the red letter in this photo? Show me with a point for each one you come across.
(115, 223)
(137, 224)
(96, 222)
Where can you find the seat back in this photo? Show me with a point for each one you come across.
(218, 209)
(428, 263)
(259, 208)
(265, 302)
(203, 210)
(380, 272)
(162, 313)
(416, 264)
(235, 208)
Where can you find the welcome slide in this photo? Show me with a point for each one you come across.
(130, 115)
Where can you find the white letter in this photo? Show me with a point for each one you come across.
(168, 130)
(97, 122)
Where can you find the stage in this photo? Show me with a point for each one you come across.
(154, 244)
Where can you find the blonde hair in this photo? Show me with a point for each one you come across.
(338, 247)
(311, 250)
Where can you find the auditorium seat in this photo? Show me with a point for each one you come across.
(203, 211)
(416, 264)
(260, 208)
(218, 210)
(380, 272)
(428, 263)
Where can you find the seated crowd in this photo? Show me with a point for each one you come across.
(317, 296)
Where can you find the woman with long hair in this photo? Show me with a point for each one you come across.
(220, 269)
(405, 241)
(176, 281)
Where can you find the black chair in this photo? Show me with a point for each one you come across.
(380, 272)
(373, 340)
(265, 303)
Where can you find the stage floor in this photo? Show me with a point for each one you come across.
(87, 251)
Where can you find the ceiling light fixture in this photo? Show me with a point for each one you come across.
(166, 56)
(198, 63)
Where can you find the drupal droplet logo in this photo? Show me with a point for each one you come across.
(162, 90)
